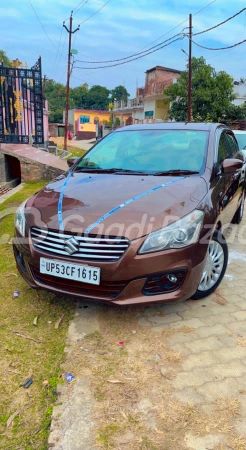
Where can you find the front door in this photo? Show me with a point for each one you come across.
(237, 180)
(229, 186)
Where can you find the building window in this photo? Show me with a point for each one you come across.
(149, 114)
(84, 119)
(96, 120)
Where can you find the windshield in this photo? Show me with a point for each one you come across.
(148, 151)
(241, 139)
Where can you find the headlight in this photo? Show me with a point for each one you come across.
(20, 220)
(179, 234)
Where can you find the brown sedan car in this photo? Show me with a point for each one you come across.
(138, 219)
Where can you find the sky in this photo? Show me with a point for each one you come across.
(120, 29)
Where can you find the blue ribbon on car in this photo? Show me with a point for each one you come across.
(60, 201)
(114, 210)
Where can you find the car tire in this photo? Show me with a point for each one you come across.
(239, 213)
(215, 266)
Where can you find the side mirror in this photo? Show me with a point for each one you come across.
(231, 165)
(72, 161)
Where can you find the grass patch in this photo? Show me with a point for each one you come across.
(76, 151)
(96, 336)
(39, 357)
(71, 148)
(105, 435)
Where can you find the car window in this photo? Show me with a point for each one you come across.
(241, 139)
(223, 149)
(149, 150)
(232, 145)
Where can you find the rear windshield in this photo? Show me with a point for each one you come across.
(149, 151)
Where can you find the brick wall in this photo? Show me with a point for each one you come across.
(34, 171)
(3, 168)
(240, 125)
(158, 80)
(29, 171)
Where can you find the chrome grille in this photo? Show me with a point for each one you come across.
(97, 248)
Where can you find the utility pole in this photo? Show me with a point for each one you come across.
(70, 32)
(190, 70)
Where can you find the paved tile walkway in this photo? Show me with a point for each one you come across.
(212, 345)
(214, 354)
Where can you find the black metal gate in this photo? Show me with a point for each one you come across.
(21, 104)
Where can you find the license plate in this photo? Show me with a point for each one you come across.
(70, 271)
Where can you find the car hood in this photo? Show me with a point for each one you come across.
(84, 199)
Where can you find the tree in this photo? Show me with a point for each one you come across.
(97, 98)
(55, 93)
(237, 112)
(56, 116)
(4, 59)
(79, 95)
(119, 93)
(212, 94)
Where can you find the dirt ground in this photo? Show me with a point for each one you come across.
(77, 148)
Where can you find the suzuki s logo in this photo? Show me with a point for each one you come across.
(71, 246)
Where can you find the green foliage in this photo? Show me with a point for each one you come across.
(112, 123)
(212, 94)
(97, 98)
(119, 93)
(3, 58)
(106, 434)
(56, 116)
(78, 95)
(238, 112)
(55, 93)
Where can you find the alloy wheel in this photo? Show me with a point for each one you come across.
(213, 266)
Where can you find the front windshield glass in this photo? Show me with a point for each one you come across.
(148, 151)
(241, 139)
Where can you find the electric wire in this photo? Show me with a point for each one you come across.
(133, 59)
(130, 56)
(42, 25)
(139, 53)
(219, 48)
(57, 51)
(61, 54)
(177, 26)
(221, 23)
(78, 7)
(88, 18)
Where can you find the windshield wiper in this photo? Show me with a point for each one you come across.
(130, 171)
(177, 171)
(111, 170)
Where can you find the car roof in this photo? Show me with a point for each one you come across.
(194, 126)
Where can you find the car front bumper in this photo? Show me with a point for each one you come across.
(134, 279)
